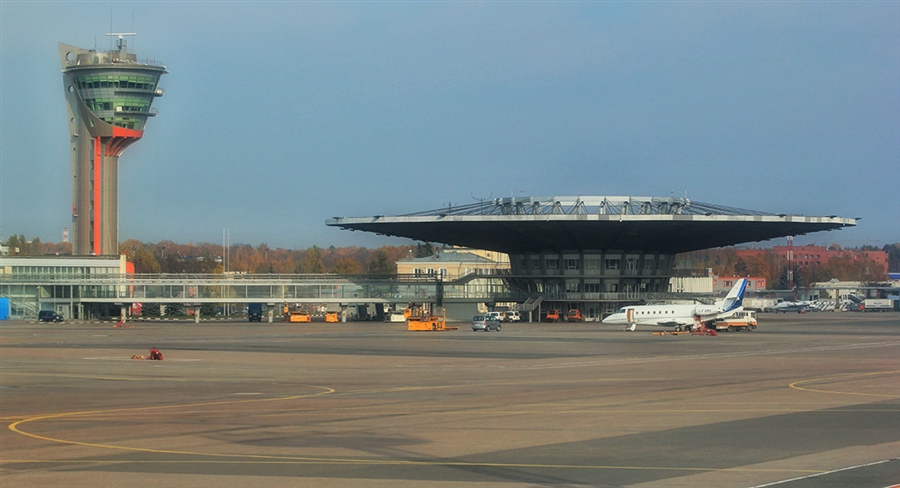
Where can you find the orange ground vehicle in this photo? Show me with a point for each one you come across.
(299, 316)
(428, 322)
(552, 315)
(574, 315)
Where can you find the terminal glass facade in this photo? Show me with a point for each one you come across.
(594, 282)
(34, 283)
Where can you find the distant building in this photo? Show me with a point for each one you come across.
(722, 284)
(815, 255)
(453, 264)
(714, 284)
(458, 262)
(34, 283)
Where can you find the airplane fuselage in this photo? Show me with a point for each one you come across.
(679, 316)
(664, 315)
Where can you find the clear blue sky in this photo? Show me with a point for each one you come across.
(280, 115)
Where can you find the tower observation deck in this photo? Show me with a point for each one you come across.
(108, 101)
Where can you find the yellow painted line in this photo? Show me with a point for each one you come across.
(15, 425)
(274, 460)
(840, 377)
(279, 459)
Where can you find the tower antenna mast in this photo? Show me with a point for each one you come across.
(121, 44)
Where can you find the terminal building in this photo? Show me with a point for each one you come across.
(108, 100)
(594, 254)
(34, 283)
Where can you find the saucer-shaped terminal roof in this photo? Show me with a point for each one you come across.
(533, 224)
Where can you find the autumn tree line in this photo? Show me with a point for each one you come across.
(774, 267)
(171, 257)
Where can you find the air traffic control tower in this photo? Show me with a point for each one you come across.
(108, 98)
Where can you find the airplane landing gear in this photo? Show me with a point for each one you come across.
(630, 327)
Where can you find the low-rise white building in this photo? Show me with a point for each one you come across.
(34, 283)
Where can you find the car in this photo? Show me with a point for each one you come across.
(49, 316)
(485, 323)
(512, 316)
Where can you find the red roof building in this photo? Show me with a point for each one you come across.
(816, 255)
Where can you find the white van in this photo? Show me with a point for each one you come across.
(498, 316)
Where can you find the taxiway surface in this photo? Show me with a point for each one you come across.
(805, 400)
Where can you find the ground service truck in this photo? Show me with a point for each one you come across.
(877, 305)
(255, 312)
(741, 320)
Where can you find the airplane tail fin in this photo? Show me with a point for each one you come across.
(735, 297)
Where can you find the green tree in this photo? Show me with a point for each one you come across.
(207, 309)
(783, 283)
(20, 246)
(150, 310)
(379, 263)
(424, 250)
(312, 261)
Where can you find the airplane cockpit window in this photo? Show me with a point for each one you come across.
(621, 310)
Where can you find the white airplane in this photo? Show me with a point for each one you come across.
(682, 317)
(786, 307)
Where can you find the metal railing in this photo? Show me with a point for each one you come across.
(322, 288)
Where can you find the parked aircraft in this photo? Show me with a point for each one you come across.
(681, 317)
(786, 307)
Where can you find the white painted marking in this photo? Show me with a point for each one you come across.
(110, 358)
(822, 474)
